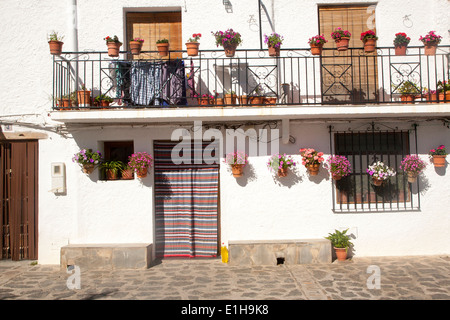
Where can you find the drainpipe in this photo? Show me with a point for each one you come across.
(74, 29)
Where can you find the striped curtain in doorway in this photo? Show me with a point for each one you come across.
(186, 202)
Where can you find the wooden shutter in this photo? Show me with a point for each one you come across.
(152, 26)
(355, 71)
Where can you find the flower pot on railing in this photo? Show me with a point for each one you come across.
(316, 49)
(55, 47)
(369, 45)
(274, 51)
(438, 161)
(203, 101)
(219, 102)
(113, 48)
(400, 50)
(135, 47)
(342, 43)
(192, 48)
(163, 49)
(430, 49)
(230, 49)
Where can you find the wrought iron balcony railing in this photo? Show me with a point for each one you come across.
(294, 78)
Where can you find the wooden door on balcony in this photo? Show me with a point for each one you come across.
(348, 76)
(153, 26)
(19, 194)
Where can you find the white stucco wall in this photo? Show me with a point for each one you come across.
(260, 207)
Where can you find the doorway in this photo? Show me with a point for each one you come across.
(19, 200)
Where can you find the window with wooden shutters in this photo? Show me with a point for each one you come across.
(348, 75)
(153, 26)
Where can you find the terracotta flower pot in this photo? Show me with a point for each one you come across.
(316, 49)
(342, 43)
(336, 178)
(203, 101)
(439, 161)
(257, 100)
(65, 103)
(55, 47)
(113, 48)
(274, 52)
(270, 100)
(282, 172)
(230, 99)
(230, 49)
(135, 47)
(369, 45)
(127, 174)
(408, 98)
(237, 170)
(314, 169)
(219, 102)
(192, 48)
(430, 49)
(88, 168)
(84, 98)
(412, 176)
(243, 100)
(377, 182)
(163, 49)
(341, 253)
(111, 175)
(400, 51)
(104, 103)
(142, 173)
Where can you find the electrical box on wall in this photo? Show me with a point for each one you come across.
(58, 177)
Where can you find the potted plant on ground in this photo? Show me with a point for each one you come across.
(413, 166)
(257, 97)
(229, 40)
(84, 97)
(103, 100)
(401, 42)
(338, 166)
(369, 39)
(273, 41)
(205, 99)
(408, 92)
(113, 46)
(316, 43)
(430, 41)
(136, 45)
(68, 100)
(340, 242)
(112, 169)
(140, 162)
(311, 159)
(443, 88)
(380, 172)
(280, 163)
(55, 43)
(192, 45)
(230, 97)
(438, 156)
(342, 38)
(163, 47)
(237, 161)
(88, 159)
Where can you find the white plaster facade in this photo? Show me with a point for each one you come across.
(94, 211)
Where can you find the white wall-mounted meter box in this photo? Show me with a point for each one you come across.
(58, 177)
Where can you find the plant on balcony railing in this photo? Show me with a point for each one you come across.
(401, 42)
(342, 38)
(55, 43)
(369, 39)
(273, 41)
(163, 47)
(113, 45)
(229, 40)
(430, 41)
(192, 45)
(316, 43)
(136, 45)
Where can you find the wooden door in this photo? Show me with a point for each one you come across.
(153, 26)
(19, 192)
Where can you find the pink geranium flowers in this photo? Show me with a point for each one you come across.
(318, 40)
(340, 33)
(338, 166)
(431, 38)
(311, 157)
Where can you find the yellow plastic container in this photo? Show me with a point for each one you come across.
(224, 253)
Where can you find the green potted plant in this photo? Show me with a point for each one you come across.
(408, 91)
(430, 42)
(438, 156)
(229, 40)
(342, 38)
(273, 41)
(136, 45)
(280, 163)
(112, 168)
(257, 97)
(113, 45)
(316, 43)
(103, 100)
(413, 166)
(401, 42)
(55, 43)
(443, 89)
(192, 45)
(88, 159)
(140, 162)
(127, 173)
(236, 160)
(369, 39)
(340, 242)
(163, 47)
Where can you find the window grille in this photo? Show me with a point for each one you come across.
(356, 192)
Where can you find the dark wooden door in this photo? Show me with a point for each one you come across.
(19, 196)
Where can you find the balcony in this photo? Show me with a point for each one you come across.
(296, 84)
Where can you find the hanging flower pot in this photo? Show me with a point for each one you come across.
(55, 43)
(342, 43)
(237, 161)
(87, 159)
(438, 156)
(377, 182)
(273, 42)
(380, 172)
(163, 47)
(430, 41)
(237, 170)
(311, 159)
(229, 40)
(316, 43)
(274, 51)
(338, 166)
(313, 170)
(142, 173)
(400, 51)
(401, 42)
(369, 39)
(230, 49)
(439, 161)
(412, 176)
(192, 45)
(430, 49)
(88, 168)
(280, 163)
(413, 166)
(113, 45)
(282, 172)
(136, 45)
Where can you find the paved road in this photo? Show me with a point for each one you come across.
(381, 278)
